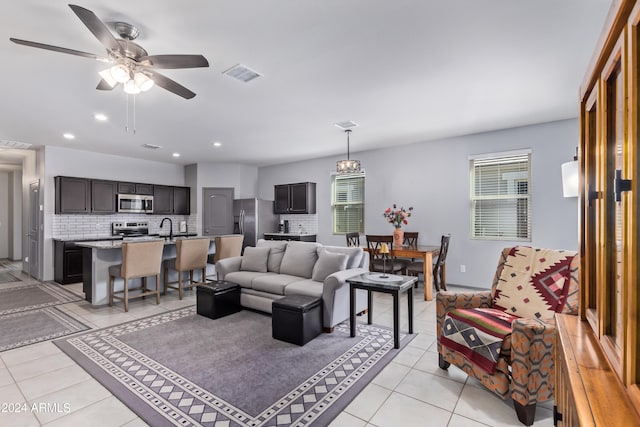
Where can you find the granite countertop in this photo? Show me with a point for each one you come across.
(290, 234)
(91, 238)
(117, 244)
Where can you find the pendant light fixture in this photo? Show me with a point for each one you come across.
(348, 165)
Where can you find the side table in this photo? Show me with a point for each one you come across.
(394, 285)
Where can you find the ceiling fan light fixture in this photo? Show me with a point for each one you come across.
(107, 77)
(120, 73)
(131, 87)
(143, 81)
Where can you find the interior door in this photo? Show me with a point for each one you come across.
(33, 236)
(217, 211)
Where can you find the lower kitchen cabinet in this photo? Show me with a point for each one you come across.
(292, 237)
(67, 262)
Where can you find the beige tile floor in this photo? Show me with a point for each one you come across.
(410, 391)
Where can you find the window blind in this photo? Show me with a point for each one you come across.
(348, 203)
(500, 197)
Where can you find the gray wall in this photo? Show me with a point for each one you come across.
(5, 205)
(433, 177)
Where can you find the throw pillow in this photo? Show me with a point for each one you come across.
(275, 255)
(299, 259)
(534, 282)
(255, 259)
(328, 263)
(355, 254)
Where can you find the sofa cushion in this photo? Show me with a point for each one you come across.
(299, 259)
(273, 283)
(355, 255)
(255, 259)
(304, 287)
(328, 263)
(244, 278)
(275, 254)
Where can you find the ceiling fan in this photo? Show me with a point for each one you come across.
(131, 65)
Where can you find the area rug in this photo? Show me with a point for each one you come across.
(8, 278)
(33, 326)
(31, 297)
(179, 368)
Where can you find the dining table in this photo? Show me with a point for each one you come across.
(423, 252)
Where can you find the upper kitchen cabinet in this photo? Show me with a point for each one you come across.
(299, 198)
(73, 195)
(135, 188)
(103, 197)
(181, 200)
(162, 199)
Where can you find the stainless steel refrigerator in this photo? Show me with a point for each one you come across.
(253, 218)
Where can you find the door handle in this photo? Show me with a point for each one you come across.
(620, 185)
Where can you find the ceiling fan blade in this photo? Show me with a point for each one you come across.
(59, 49)
(103, 85)
(95, 25)
(170, 85)
(175, 61)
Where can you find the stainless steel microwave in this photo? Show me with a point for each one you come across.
(135, 203)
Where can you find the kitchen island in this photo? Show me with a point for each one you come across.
(98, 256)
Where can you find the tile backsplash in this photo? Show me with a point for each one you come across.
(97, 226)
(309, 223)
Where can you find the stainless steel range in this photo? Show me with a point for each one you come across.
(130, 229)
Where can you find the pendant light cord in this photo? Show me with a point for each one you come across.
(348, 131)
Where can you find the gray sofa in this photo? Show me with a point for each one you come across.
(274, 269)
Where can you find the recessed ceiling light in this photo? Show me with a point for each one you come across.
(217, 144)
(69, 136)
(100, 117)
(176, 154)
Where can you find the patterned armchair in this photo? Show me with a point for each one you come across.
(505, 337)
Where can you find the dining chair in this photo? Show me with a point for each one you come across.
(191, 255)
(353, 239)
(139, 260)
(439, 267)
(226, 247)
(378, 263)
(410, 239)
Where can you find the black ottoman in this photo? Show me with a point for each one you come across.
(296, 319)
(218, 299)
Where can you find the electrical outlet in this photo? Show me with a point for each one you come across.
(463, 268)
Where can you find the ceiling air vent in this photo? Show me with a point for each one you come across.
(14, 144)
(242, 73)
(151, 146)
(347, 124)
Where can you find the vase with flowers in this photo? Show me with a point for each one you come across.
(397, 218)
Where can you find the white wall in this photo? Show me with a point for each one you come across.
(5, 223)
(69, 162)
(15, 215)
(242, 178)
(433, 177)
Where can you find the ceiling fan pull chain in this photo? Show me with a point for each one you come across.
(126, 113)
(134, 114)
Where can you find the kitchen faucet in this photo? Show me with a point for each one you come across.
(170, 227)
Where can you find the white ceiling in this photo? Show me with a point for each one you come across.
(406, 71)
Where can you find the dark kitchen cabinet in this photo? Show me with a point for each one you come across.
(299, 198)
(181, 200)
(290, 237)
(73, 195)
(162, 199)
(67, 262)
(103, 197)
(135, 188)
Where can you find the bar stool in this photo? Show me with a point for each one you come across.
(226, 247)
(139, 260)
(191, 254)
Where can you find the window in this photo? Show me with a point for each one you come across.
(500, 196)
(347, 203)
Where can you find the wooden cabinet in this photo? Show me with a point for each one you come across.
(67, 262)
(292, 237)
(73, 195)
(103, 197)
(181, 200)
(298, 198)
(162, 199)
(135, 188)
